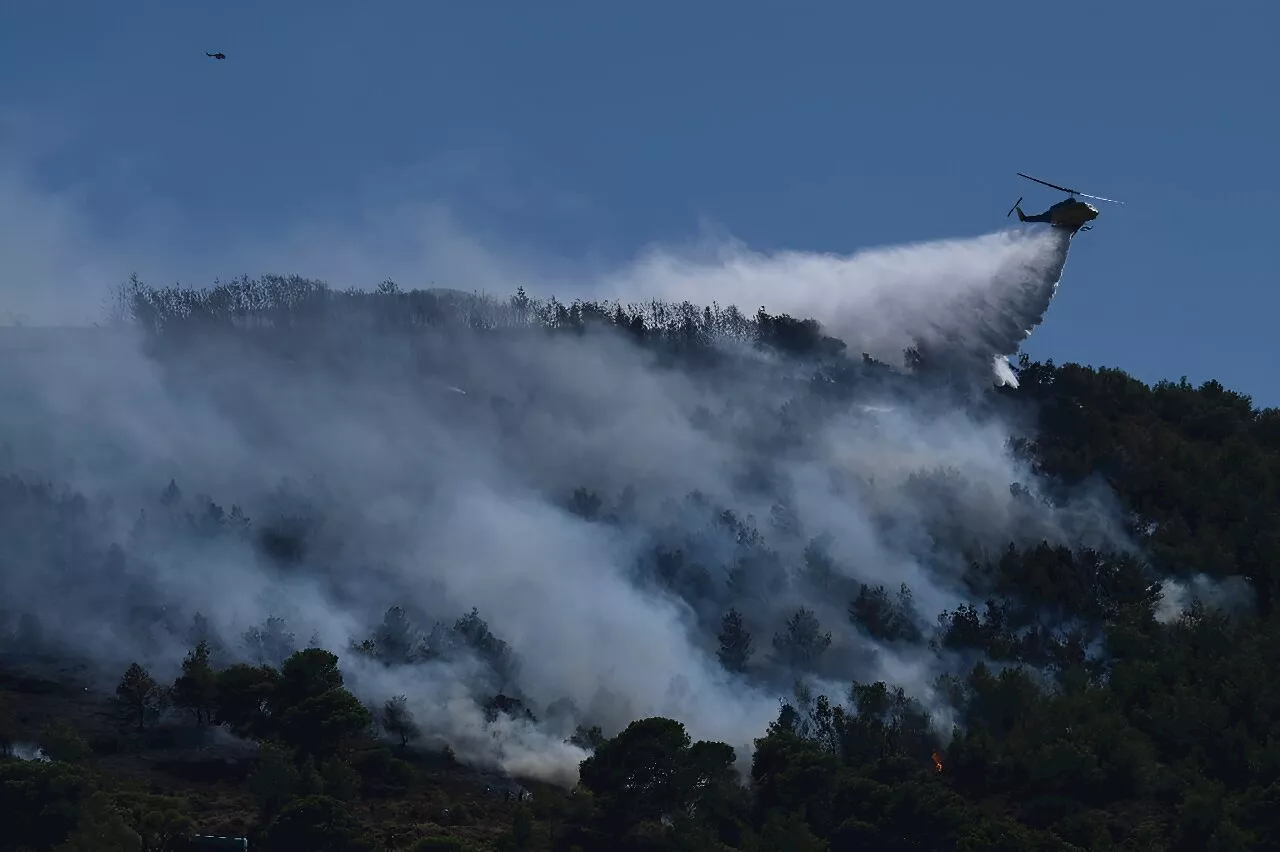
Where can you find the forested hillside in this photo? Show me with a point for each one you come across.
(421, 570)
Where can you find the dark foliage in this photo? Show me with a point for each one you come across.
(1086, 716)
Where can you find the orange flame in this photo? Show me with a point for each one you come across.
(937, 762)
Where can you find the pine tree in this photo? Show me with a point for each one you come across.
(802, 642)
(196, 689)
(398, 720)
(735, 642)
(139, 696)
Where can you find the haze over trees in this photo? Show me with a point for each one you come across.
(734, 585)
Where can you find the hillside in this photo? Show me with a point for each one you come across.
(344, 571)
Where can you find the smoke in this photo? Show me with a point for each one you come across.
(979, 297)
(40, 278)
(28, 752)
(1232, 594)
(60, 268)
(600, 508)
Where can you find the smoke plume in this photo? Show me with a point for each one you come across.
(977, 297)
(600, 503)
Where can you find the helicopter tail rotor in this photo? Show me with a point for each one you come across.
(1014, 207)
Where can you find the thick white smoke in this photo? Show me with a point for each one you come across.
(980, 296)
(443, 501)
(1232, 594)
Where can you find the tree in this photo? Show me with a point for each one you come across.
(339, 779)
(102, 827)
(274, 782)
(202, 630)
(735, 642)
(246, 695)
(306, 674)
(272, 643)
(397, 640)
(505, 705)
(323, 724)
(788, 830)
(172, 494)
(139, 696)
(882, 618)
(196, 689)
(586, 504)
(159, 821)
(801, 642)
(317, 824)
(474, 633)
(651, 771)
(586, 738)
(820, 568)
(398, 720)
(42, 802)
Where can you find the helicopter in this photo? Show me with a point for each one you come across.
(1070, 214)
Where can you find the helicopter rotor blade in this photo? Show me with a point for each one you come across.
(1046, 183)
(1070, 191)
(1099, 198)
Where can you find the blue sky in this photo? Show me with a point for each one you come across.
(593, 129)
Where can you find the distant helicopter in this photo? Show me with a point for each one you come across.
(1070, 214)
(218, 55)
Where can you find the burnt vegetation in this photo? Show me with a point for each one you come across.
(1088, 711)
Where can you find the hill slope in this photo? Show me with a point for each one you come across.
(562, 542)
